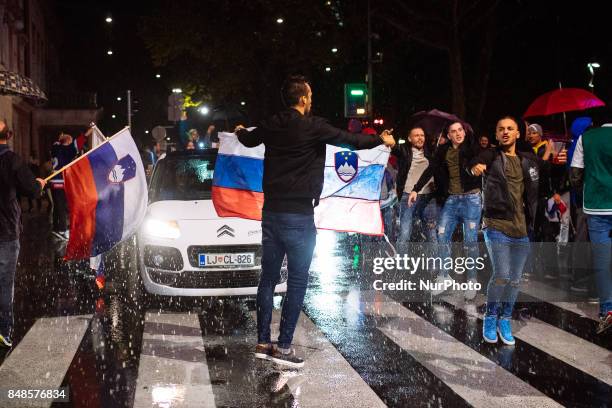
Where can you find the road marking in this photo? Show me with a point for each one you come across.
(471, 375)
(561, 298)
(42, 358)
(173, 369)
(325, 373)
(572, 350)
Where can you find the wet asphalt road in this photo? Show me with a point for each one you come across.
(362, 348)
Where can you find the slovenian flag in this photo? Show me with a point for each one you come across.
(351, 189)
(106, 191)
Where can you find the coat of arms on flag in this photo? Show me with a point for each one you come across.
(350, 200)
(346, 164)
(106, 191)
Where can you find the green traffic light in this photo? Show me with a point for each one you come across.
(357, 92)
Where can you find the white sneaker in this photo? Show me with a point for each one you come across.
(439, 284)
(470, 294)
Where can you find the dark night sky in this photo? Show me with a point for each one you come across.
(552, 42)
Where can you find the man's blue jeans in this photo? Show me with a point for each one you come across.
(508, 257)
(465, 208)
(9, 252)
(600, 227)
(426, 210)
(294, 235)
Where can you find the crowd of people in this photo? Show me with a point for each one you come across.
(521, 195)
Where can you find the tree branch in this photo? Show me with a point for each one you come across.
(416, 35)
(477, 20)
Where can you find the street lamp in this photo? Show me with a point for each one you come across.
(113, 116)
(280, 20)
(109, 52)
(203, 110)
(242, 103)
(334, 50)
(119, 98)
(147, 132)
(109, 19)
(157, 76)
(327, 69)
(177, 90)
(592, 66)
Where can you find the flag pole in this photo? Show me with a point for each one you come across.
(83, 156)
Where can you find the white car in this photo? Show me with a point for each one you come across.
(184, 248)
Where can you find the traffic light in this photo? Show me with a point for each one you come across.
(355, 100)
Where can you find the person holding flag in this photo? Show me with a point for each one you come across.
(15, 176)
(63, 152)
(96, 263)
(294, 162)
(106, 190)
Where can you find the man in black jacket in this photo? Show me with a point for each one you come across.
(462, 204)
(15, 177)
(510, 203)
(292, 183)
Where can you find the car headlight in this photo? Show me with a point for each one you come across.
(162, 229)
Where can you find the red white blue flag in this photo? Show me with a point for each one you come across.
(350, 200)
(107, 195)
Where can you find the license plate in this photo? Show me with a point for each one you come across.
(234, 259)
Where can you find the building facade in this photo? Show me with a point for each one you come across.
(29, 40)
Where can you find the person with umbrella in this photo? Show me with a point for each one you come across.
(463, 202)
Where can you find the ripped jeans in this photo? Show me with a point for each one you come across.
(426, 211)
(465, 208)
(508, 257)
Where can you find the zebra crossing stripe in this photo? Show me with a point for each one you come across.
(562, 298)
(42, 358)
(392, 373)
(475, 378)
(173, 369)
(558, 380)
(325, 372)
(585, 356)
(566, 316)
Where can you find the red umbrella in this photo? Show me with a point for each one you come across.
(563, 100)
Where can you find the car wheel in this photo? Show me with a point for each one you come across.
(127, 280)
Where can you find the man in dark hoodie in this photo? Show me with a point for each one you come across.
(292, 183)
(15, 177)
(463, 202)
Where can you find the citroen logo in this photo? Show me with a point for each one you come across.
(225, 230)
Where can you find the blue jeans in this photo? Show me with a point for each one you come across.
(9, 252)
(388, 217)
(600, 227)
(426, 210)
(465, 208)
(508, 257)
(294, 235)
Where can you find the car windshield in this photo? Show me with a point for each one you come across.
(183, 178)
